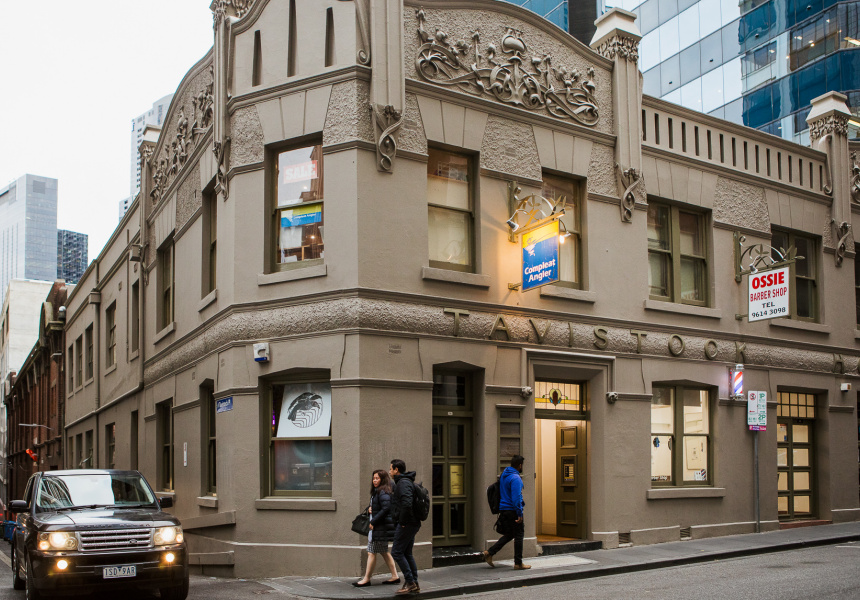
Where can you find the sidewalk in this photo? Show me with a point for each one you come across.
(470, 579)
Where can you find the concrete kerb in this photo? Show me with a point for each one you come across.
(586, 571)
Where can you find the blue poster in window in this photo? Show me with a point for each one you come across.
(306, 215)
(540, 256)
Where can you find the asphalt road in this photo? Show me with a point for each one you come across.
(822, 573)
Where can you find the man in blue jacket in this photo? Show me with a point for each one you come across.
(510, 523)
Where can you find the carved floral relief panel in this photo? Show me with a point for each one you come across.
(499, 58)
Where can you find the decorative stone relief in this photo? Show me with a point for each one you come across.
(855, 179)
(363, 17)
(222, 152)
(387, 122)
(506, 74)
(623, 47)
(843, 233)
(412, 136)
(246, 135)
(225, 8)
(348, 118)
(740, 204)
(182, 135)
(633, 183)
(510, 147)
(188, 197)
(836, 124)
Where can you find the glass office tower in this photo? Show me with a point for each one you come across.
(555, 11)
(756, 62)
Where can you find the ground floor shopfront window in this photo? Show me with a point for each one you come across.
(680, 436)
(300, 449)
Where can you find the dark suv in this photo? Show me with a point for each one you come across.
(82, 531)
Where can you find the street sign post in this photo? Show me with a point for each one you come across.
(757, 411)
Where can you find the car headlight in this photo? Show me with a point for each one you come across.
(58, 540)
(164, 536)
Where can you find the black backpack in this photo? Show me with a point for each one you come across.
(494, 495)
(420, 502)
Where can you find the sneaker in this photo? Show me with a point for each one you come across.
(488, 558)
(522, 567)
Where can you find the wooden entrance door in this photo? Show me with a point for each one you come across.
(795, 471)
(452, 452)
(571, 465)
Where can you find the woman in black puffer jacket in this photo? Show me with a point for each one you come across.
(381, 529)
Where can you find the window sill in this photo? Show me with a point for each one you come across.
(461, 277)
(208, 299)
(801, 325)
(208, 501)
(325, 504)
(684, 492)
(110, 369)
(557, 291)
(134, 354)
(292, 274)
(683, 309)
(165, 332)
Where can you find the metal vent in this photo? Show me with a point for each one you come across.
(624, 539)
(686, 533)
(115, 539)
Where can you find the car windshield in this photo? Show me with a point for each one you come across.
(57, 492)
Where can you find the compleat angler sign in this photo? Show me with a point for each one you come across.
(540, 256)
(768, 295)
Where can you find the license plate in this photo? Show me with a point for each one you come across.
(124, 571)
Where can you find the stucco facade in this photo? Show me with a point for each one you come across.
(441, 359)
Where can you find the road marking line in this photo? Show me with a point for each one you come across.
(6, 560)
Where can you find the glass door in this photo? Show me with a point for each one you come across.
(451, 481)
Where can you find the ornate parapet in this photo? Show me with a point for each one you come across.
(834, 124)
(622, 47)
(229, 8)
(617, 36)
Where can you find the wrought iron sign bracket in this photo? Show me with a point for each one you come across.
(759, 260)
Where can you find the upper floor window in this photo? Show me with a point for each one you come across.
(110, 335)
(79, 361)
(803, 274)
(570, 249)
(677, 255)
(210, 241)
(298, 210)
(450, 208)
(165, 285)
(680, 436)
(88, 336)
(857, 283)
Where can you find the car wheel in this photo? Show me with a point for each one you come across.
(32, 592)
(17, 582)
(179, 592)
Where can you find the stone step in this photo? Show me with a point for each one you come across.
(567, 547)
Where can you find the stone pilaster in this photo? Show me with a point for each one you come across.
(617, 38)
(224, 14)
(387, 84)
(828, 132)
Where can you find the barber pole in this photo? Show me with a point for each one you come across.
(738, 380)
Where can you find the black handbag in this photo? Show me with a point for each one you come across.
(361, 523)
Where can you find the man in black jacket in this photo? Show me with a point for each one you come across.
(407, 525)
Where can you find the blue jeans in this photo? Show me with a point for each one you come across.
(401, 551)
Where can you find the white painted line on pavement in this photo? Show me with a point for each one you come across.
(6, 560)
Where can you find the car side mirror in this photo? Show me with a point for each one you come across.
(18, 506)
(166, 502)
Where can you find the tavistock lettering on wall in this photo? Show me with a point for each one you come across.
(550, 332)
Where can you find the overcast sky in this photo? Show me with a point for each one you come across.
(73, 75)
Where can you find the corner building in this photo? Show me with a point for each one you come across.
(315, 280)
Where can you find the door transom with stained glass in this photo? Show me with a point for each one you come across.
(795, 455)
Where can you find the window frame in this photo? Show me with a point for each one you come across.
(675, 255)
(165, 445)
(110, 335)
(110, 446)
(166, 284)
(577, 235)
(88, 337)
(210, 243)
(268, 440)
(857, 288)
(677, 480)
(813, 262)
(209, 438)
(472, 212)
(272, 227)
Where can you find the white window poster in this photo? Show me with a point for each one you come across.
(305, 411)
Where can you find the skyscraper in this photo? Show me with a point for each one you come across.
(154, 116)
(28, 230)
(754, 62)
(71, 255)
